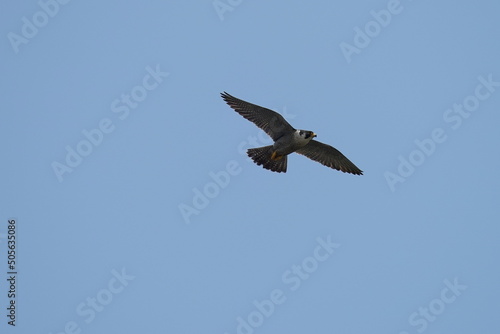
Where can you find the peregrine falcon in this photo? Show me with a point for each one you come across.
(286, 140)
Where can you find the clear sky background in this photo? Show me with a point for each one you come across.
(136, 211)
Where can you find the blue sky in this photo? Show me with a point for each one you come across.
(136, 209)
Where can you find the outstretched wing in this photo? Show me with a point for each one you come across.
(270, 121)
(329, 156)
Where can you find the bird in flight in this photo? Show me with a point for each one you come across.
(286, 140)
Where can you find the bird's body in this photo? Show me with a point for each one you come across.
(286, 140)
(291, 142)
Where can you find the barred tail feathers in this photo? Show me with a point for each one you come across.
(266, 157)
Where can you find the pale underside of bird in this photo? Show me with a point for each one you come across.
(286, 140)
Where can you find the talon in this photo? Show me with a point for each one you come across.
(275, 156)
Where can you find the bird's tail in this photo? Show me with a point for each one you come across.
(266, 157)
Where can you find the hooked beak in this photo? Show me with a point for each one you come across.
(314, 135)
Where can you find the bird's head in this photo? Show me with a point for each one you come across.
(307, 134)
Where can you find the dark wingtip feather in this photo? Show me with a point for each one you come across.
(226, 95)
